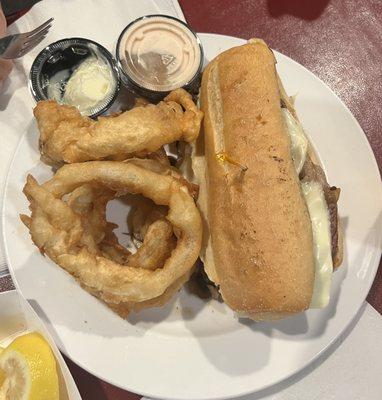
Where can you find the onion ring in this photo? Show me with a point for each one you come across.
(60, 231)
(67, 136)
(123, 309)
(159, 167)
(157, 246)
(144, 213)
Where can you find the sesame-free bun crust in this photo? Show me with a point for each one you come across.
(260, 236)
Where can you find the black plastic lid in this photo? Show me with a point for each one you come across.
(66, 55)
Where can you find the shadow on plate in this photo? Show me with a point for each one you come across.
(284, 384)
(173, 311)
(40, 312)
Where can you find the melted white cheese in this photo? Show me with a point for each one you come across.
(319, 216)
(299, 142)
(318, 212)
(195, 171)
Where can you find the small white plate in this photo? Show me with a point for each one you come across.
(17, 317)
(191, 349)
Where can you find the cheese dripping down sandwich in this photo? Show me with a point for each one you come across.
(271, 226)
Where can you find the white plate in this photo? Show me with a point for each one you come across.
(190, 349)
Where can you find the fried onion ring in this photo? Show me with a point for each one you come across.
(141, 217)
(67, 136)
(59, 229)
(159, 167)
(158, 244)
(124, 308)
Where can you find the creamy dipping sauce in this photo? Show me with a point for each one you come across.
(90, 83)
(159, 53)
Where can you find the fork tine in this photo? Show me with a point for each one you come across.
(34, 41)
(40, 28)
(44, 32)
(30, 45)
(41, 32)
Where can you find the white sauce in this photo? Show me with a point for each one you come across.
(319, 216)
(196, 173)
(89, 85)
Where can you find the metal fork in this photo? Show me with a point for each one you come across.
(15, 46)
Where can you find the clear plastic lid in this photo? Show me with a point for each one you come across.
(159, 53)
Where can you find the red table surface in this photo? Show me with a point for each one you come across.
(338, 40)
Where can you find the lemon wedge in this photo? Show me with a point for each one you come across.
(30, 370)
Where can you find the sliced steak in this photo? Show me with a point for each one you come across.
(201, 286)
(312, 172)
